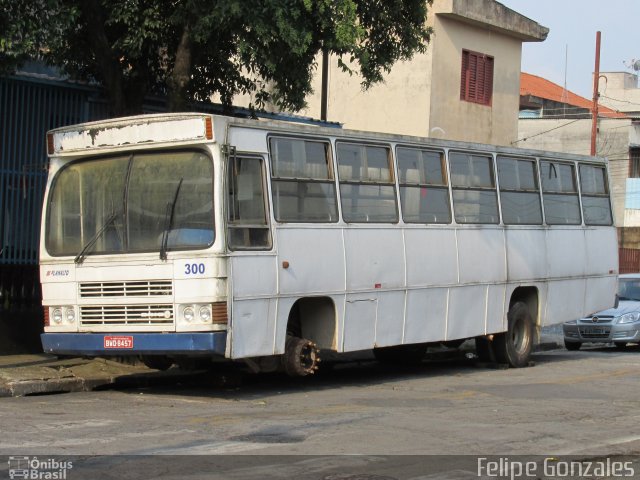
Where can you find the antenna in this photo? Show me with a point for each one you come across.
(633, 64)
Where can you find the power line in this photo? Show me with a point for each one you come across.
(546, 131)
(621, 101)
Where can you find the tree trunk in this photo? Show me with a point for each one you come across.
(108, 66)
(181, 73)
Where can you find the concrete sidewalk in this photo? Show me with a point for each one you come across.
(34, 374)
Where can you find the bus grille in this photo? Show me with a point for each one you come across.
(126, 315)
(152, 288)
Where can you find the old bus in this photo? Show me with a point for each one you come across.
(189, 235)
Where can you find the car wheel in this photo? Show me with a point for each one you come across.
(572, 346)
(514, 347)
(620, 345)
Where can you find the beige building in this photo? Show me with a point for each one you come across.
(431, 95)
(465, 87)
(619, 91)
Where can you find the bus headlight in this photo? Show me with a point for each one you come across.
(205, 313)
(188, 314)
(70, 314)
(56, 316)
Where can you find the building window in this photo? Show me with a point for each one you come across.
(634, 162)
(476, 81)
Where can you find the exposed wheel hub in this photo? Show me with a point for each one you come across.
(301, 357)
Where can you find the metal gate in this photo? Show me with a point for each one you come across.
(29, 106)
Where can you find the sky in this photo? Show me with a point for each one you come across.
(572, 27)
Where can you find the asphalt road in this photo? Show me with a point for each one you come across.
(582, 403)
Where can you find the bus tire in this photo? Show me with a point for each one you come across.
(514, 346)
(411, 354)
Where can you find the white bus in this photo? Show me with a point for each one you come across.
(177, 236)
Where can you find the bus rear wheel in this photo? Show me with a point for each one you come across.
(514, 346)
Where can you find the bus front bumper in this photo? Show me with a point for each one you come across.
(102, 344)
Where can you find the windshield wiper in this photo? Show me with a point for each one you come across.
(168, 221)
(83, 253)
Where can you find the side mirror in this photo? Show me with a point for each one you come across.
(615, 305)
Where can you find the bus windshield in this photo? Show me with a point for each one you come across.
(124, 204)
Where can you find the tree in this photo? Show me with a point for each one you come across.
(191, 49)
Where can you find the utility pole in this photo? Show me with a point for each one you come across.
(324, 95)
(596, 95)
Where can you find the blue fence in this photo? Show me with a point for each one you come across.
(29, 106)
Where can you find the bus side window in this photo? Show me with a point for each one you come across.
(424, 192)
(248, 225)
(367, 189)
(302, 180)
(519, 192)
(560, 193)
(474, 188)
(596, 207)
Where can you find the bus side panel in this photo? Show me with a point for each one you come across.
(253, 317)
(426, 317)
(602, 259)
(360, 322)
(600, 294)
(467, 311)
(602, 251)
(481, 253)
(315, 261)
(253, 327)
(497, 304)
(566, 252)
(431, 257)
(375, 259)
(389, 318)
(526, 254)
(561, 300)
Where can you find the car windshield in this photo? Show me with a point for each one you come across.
(629, 289)
(121, 204)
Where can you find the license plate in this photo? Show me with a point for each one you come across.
(118, 342)
(594, 331)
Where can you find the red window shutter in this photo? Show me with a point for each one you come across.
(488, 81)
(464, 76)
(476, 80)
(473, 77)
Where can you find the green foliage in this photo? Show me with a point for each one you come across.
(196, 48)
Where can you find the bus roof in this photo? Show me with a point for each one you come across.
(169, 128)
